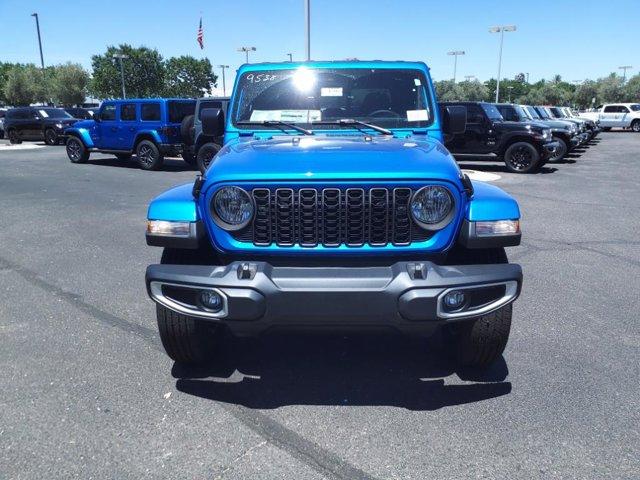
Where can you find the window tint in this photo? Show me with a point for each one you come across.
(128, 112)
(179, 110)
(623, 109)
(474, 114)
(610, 109)
(108, 112)
(208, 104)
(150, 112)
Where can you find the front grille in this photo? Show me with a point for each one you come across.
(331, 217)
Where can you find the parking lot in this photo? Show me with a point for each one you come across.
(89, 393)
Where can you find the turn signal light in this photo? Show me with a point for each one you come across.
(499, 227)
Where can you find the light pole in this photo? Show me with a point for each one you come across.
(307, 29)
(624, 68)
(121, 57)
(501, 29)
(246, 51)
(39, 39)
(224, 85)
(509, 88)
(455, 54)
(290, 57)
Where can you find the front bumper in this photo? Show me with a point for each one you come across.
(549, 148)
(406, 296)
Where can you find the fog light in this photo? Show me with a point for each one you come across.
(211, 300)
(454, 300)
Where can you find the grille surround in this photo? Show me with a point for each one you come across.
(333, 217)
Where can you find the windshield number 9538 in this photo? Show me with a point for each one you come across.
(261, 77)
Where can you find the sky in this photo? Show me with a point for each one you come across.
(577, 39)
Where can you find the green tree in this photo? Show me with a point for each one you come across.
(632, 89)
(585, 93)
(472, 91)
(611, 89)
(186, 76)
(143, 73)
(69, 84)
(25, 84)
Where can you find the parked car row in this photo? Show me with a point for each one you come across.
(525, 137)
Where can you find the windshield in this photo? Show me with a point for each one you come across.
(522, 115)
(533, 114)
(392, 98)
(492, 112)
(635, 107)
(53, 113)
(556, 112)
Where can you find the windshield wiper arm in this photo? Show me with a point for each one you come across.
(350, 122)
(277, 123)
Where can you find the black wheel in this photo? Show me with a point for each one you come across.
(480, 342)
(522, 157)
(50, 137)
(206, 154)
(635, 126)
(185, 339)
(149, 156)
(560, 152)
(186, 130)
(123, 156)
(189, 157)
(14, 137)
(76, 151)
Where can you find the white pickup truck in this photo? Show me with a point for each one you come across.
(621, 115)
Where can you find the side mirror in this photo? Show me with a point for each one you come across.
(212, 122)
(96, 117)
(454, 119)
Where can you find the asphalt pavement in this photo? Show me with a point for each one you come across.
(87, 391)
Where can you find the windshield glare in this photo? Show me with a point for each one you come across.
(391, 98)
(53, 113)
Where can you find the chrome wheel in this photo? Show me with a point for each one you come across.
(635, 126)
(146, 155)
(74, 150)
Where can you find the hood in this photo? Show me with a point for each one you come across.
(82, 123)
(554, 123)
(333, 157)
(511, 126)
(63, 121)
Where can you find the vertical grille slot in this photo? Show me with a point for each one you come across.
(401, 216)
(331, 217)
(378, 216)
(308, 216)
(355, 216)
(285, 217)
(262, 220)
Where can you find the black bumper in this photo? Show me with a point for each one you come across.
(549, 148)
(405, 296)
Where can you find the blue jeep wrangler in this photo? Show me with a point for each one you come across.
(333, 203)
(148, 128)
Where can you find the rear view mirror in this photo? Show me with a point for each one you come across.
(212, 122)
(454, 119)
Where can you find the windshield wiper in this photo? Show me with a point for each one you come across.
(277, 123)
(350, 122)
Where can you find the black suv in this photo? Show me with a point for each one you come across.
(197, 144)
(562, 132)
(37, 123)
(524, 147)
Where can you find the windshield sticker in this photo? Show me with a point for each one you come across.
(331, 92)
(417, 82)
(417, 115)
(261, 77)
(43, 113)
(293, 116)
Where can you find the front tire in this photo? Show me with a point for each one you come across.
(560, 152)
(186, 339)
(76, 151)
(522, 157)
(149, 156)
(635, 126)
(14, 137)
(206, 154)
(50, 137)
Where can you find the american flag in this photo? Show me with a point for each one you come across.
(200, 36)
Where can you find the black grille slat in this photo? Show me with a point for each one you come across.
(401, 216)
(331, 217)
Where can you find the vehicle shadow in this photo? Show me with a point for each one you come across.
(169, 164)
(500, 168)
(278, 370)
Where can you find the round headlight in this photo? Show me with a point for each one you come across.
(432, 207)
(232, 208)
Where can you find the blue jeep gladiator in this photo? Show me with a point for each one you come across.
(333, 203)
(148, 128)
